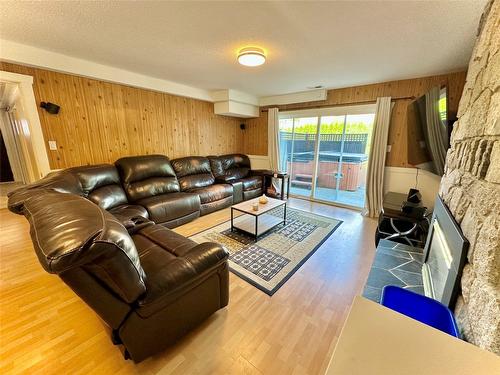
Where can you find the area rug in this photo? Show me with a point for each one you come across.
(269, 262)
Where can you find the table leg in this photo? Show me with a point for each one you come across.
(288, 188)
(256, 227)
(232, 226)
(400, 234)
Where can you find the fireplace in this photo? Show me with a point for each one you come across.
(444, 256)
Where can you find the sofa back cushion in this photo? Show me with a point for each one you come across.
(147, 176)
(101, 185)
(61, 181)
(69, 231)
(193, 172)
(230, 167)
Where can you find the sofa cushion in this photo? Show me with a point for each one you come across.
(213, 193)
(101, 184)
(167, 207)
(173, 264)
(251, 183)
(68, 231)
(230, 167)
(147, 176)
(167, 239)
(209, 207)
(60, 181)
(193, 172)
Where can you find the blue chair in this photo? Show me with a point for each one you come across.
(421, 308)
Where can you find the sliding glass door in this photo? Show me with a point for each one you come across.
(298, 142)
(325, 152)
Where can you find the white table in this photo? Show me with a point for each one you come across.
(255, 223)
(376, 340)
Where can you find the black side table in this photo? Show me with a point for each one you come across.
(397, 225)
(285, 179)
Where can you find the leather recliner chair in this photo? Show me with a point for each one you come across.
(101, 185)
(148, 284)
(195, 176)
(235, 169)
(150, 181)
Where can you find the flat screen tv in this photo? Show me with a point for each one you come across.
(429, 131)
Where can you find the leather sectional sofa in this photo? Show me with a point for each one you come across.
(104, 230)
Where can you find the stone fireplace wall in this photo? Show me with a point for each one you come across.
(471, 186)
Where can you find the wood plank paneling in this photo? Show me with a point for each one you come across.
(255, 139)
(100, 122)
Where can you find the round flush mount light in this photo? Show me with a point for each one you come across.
(251, 56)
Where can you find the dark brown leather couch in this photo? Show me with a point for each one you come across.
(150, 181)
(97, 228)
(150, 287)
(101, 185)
(195, 176)
(235, 169)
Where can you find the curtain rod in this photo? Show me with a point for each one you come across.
(341, 104)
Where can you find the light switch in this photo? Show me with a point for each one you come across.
(389, 148)
(53, 145)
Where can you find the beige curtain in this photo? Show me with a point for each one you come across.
(273, 145)
(376, 159)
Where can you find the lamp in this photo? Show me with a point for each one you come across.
(251, 56)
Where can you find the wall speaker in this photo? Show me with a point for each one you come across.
(52, 108)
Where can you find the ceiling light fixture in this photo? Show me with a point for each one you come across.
(251, 56)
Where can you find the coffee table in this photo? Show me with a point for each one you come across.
(257, 223)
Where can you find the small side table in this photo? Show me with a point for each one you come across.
(395, 224)
(285, 179)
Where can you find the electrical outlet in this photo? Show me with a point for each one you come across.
(422, 144)
(389, 148)
(52, 145)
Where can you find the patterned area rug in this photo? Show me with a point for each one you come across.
(269, 262)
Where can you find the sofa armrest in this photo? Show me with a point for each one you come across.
(224, 179)
(169, 281)
(206, 255)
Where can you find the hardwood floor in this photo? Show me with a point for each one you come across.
(46, 328)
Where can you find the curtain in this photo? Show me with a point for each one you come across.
(376, 159)
(273, 145)
(435, 130)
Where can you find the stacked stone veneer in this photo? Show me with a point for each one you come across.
(471, 186)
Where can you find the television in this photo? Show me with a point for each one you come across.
(429, 130)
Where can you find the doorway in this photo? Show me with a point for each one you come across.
(325, 152)
(6, 174)
(13, 169)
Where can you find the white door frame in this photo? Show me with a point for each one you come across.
(27, 97)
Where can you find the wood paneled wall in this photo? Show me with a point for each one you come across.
(100, 122)
(255, 139)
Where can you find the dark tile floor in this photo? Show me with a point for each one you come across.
(395, 264)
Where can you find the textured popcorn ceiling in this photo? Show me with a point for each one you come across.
(334, 44)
